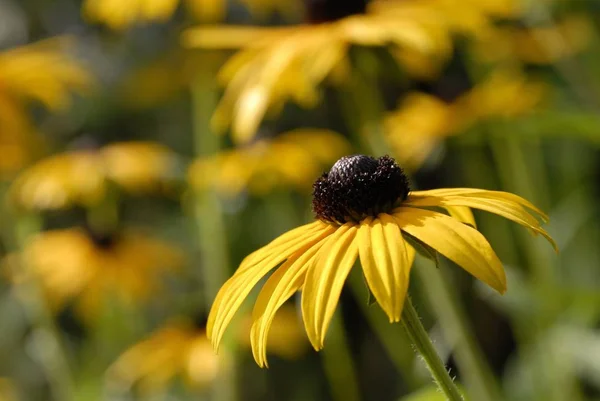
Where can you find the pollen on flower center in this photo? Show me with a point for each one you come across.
(359, 186)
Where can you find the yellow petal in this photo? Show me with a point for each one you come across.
(386, 262)
(460, 243)
(482, 193)
(462, 214)
(281, 240)
(284, 283)
(235, 290)
(500, 206)
(324, 281)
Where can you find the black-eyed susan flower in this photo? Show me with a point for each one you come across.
(39, 73)
(275, 65)
(292, 159)
(180, 348)
(364, 210)
(81, 177)
(542, 44)
(422, 121)
(88, 269)
(119, 15)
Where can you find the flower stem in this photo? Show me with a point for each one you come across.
(210, 222)
(476, 373)
(338, 364)
(419, 337)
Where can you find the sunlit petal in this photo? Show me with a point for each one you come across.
(324, 281)
(284, 283)
(236, 289)
(386, 262)
(501, 206)
(460, 243)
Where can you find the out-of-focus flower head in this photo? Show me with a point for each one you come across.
(181, 348)
(294, 158)
(81, 177)
(120, 15)
(536, 45)
(39, 73)
(275, 65)
(90, 269)
(422, 121)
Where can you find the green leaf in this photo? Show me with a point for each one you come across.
(423, 249)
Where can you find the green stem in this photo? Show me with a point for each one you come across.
(338, 364)
(477, 375)
(514, 169)
(210, 223)
(400, 355)
(47, 340)
(418, 335)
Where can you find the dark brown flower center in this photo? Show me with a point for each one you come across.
(332, 10)
(359, 186)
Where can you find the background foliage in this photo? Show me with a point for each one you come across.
(147, 146)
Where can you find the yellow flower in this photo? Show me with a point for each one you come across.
(275, 65)
(294, 158)
(42, 73)
(181, 348)
(364, 210)
(119, 15)
(80, 177)
(177, 349)
(536, 45)
(422, 121)
(286, 337)
(75, 265)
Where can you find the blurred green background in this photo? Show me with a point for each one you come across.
(147, 146)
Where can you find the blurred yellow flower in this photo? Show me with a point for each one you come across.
(119, 15)
(294, 158)
(74, 265)
(180, 348)
(43, 73)
(536, 45)
(422, 121)
(275, 65)
(286, 337)
(81, 177)
(177, 349)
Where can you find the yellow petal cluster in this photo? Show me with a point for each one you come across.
(293, 159)
(81, 177)
(71, 266)
(422, 121)
(317, 258)
(39, 73)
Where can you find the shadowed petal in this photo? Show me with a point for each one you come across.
(234, 291)
(284, 283)
(500, 206)
(324, 281)
(462, 214)
(460, 243)
(386, 263)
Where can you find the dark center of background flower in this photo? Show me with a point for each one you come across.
(319, 11)
(359, 186)
(102, 240)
